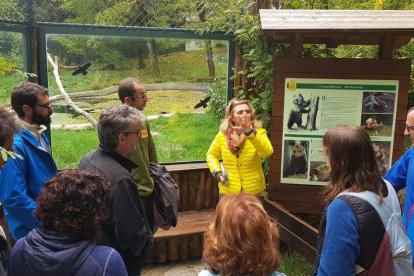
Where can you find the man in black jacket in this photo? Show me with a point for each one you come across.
(127, 230)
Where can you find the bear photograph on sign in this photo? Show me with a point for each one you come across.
(296, 159)
(313, 106)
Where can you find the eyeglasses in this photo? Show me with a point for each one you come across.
(409, 128)
(139, 97)
(137, 133)
(48, 105)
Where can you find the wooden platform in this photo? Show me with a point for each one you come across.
(192, 222)
(198, 199)
(183, 241)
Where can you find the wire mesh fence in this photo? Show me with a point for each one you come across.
(149, 13)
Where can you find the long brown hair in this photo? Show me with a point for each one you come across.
(352, 160)
(227, 123)
(243, 239)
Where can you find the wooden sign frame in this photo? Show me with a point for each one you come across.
(307, 198)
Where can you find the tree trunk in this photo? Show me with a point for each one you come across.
(210, 59)
(239, 76)
(313, 111)
(152, 52)
(141, 62)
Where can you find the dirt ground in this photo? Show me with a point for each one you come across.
(192, 267)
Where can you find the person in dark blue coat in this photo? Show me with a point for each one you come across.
(72, 208)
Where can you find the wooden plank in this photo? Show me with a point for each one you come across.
(184, 193)
(161, 251)
(214, 192)
(188, 223)
(297, 244)
(297, 226)
(196, 246)
(208, 191)
(200, 190)
(184, 248)
(187, 167)
(336, 22)
(193, 184)
(173, 249)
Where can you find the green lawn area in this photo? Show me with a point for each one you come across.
(294, 264)
(180, 137)
(185, 66)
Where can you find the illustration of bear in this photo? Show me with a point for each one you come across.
(298, 108)
(298, 163)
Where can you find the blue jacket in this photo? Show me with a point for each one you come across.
(45, 252)
(401, 175)
(22, 180)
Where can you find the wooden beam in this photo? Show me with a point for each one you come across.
(296, 47)
(386, 47)
(294, 232)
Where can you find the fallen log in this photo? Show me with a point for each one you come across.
(148, 87)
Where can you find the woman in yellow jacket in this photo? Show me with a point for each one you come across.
(241, 143)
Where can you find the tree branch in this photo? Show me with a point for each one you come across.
(65, 95)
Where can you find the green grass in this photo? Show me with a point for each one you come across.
(186, 66)
(294, 264)
(184, 137)
(189, 66)
(181, 137)
(70, 146)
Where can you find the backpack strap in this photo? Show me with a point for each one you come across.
(390, 205)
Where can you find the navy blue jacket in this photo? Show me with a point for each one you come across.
(44, 252)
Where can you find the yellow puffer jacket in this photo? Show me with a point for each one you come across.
(244, 170)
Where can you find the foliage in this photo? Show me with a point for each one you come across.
(217, 90)
(6, 66)
(10, 9)
(235, 18)
(5, 154)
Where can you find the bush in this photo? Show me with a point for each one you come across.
(217, 90)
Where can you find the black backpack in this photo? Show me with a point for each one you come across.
(166, 197)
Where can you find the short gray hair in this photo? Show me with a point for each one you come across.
(114, 121)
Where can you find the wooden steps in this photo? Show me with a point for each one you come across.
(198, 199)
(192, 222)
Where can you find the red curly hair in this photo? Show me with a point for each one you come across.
(243, 239)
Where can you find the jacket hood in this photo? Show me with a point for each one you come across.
(46, 252)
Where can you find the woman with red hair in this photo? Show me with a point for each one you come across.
(243, 239)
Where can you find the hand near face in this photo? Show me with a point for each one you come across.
(242, 118)
(243, 127)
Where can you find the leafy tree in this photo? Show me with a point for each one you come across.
(6, 66)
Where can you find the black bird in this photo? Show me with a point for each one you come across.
(83, 69)
(203, 103)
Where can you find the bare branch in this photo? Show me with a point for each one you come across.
(65, 95)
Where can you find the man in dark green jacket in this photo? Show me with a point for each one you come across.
(132, 93)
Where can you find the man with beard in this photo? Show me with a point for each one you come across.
(22, 180)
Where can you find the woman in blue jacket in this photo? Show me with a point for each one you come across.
(72, 207)
(361, 228)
